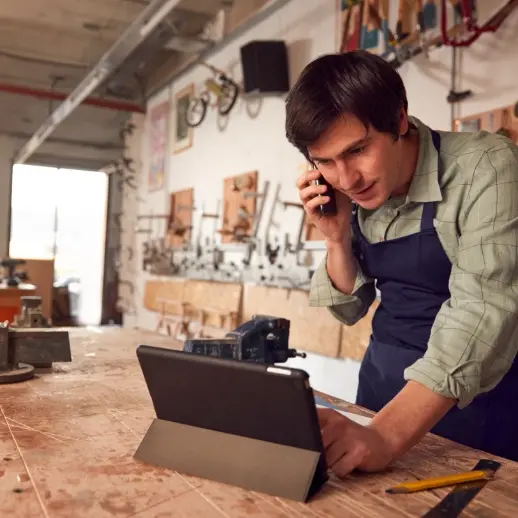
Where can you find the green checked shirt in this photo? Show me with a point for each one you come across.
(474, 338)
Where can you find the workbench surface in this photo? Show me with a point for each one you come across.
(67, 440)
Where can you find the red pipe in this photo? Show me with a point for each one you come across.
(58, 96)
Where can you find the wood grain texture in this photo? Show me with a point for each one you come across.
(207, 308)
(67, 440)
(179, 225)
(239, 206)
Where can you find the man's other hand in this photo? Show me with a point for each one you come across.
(349, 445)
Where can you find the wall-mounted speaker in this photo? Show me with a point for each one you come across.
(265, 66)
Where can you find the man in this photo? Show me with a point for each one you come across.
(431, 220)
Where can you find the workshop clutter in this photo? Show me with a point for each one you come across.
(239, 241)
(419, 28)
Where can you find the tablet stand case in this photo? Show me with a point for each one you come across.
(266, 467)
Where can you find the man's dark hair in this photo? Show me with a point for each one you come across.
(358, 83)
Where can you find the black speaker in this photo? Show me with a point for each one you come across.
(265, 66)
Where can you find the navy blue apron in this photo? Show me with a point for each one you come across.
(412, 275)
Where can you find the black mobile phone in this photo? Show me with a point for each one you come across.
(328, 208)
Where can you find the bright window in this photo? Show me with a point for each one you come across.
(61, 213)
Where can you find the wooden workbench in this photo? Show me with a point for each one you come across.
(67, 440)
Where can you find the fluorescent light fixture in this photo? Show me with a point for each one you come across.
(184, 44)
(158, 17)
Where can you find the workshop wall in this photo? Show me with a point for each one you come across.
(252, 139)
(7, 150)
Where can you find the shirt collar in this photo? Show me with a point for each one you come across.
(425, 185)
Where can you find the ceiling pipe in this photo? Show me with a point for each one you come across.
(132, 37)
(59, 96)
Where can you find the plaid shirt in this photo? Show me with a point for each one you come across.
(474, 338)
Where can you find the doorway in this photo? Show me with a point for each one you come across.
(60, 214)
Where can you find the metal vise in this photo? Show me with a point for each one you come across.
(24, 349)
(263, 339)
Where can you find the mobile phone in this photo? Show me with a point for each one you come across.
(328, 208)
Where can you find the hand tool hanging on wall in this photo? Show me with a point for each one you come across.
(386, 48)
(454, 95)
(466, 10)
(127, 130)
(352, 39)
(494, 22)
(369, 38)
(345, 23)
(430, 15)
(257, 216)
(403, 24)
(203, 216)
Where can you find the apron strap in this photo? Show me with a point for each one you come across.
(427, 216)
(429, 207)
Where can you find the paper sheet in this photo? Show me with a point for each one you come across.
(353, 417)
(321, 403)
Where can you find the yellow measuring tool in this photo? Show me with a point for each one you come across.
(447, 480)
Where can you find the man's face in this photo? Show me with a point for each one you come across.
(363, 164)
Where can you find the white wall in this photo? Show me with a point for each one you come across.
(309, 29)
(7, 150)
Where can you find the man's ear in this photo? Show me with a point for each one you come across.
(403, 123)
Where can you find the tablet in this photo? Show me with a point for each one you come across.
(264, 402)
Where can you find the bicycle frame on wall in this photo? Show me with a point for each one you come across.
(222, 87)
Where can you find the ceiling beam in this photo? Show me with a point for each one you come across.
(59, 96)
(132, 37)
(77, 48)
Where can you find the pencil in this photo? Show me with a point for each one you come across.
(448, 480)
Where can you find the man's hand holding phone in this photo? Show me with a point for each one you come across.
(334, 226)
(341, 265)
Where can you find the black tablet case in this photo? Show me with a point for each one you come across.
(241, 423)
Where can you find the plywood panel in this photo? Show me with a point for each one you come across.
(179, 227)
(491, 120)
(355, 339)
(312, 329)
(239, 206)
(224, 296)
(216, 304)
(156, 291)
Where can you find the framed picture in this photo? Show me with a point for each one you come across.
(183, 133)
(158, 138)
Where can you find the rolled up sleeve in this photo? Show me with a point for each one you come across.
(346, 308)
(474, 338)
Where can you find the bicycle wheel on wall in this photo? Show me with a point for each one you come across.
(197, 110)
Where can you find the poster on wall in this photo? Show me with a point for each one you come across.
(183, 133)
(158, 136)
